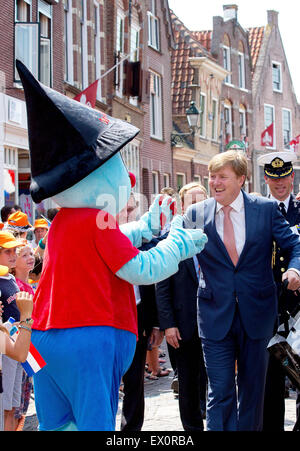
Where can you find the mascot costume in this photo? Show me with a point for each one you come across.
(85, 322)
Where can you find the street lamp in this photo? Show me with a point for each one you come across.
(192, 115)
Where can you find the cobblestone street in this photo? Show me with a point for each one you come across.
(161, 408)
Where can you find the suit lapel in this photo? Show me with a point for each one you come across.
(191, 267)
(293, 213)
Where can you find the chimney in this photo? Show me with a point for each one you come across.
(272, 18)
(230, 12)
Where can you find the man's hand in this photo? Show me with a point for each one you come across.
(156, 337)
(293, 278)
(172, 336)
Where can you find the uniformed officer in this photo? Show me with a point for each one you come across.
(279, 176)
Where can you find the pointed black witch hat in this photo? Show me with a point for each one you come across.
(67, 139)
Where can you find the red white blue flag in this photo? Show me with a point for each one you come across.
(34, 362)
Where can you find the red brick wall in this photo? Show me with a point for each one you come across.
(156, 154)
(233, 93)
(7, 18)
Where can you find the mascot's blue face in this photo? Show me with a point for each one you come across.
(108, 188)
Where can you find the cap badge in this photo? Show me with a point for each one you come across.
(277, 163)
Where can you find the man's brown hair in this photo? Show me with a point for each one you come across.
(236, 160)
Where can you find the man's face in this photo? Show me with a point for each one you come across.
(191, 197)
(8, 257)
(40, 232)
(225, 185)
(280, 188)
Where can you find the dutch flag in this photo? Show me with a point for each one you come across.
(34, 362)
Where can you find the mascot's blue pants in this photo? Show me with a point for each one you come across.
(78, 389)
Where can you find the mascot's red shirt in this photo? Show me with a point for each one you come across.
(78, 286)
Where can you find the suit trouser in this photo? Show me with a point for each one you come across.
(132, 417)
(235, 402)
(192, 383)
(274, 402)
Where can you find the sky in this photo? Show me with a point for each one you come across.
(198, 14)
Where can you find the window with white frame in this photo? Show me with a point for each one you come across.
(68, 40)
(10, 158)
(155, 182)
(214, 129)
(228, 122)
(269, 114)
(23, 10)
(241, 60)
(286, 128)
(276, 77)
(206, 184)
(97, 47)
(131, 157)
(134, 51)
(83, 44)
(45, 20)
(120, 46)
(166, 180)
(153, 27)
(197, 179)
(180, 180)
(26, 45)
(202, 115)
(156, 105)
(243, 124)
(134, 42)
(227, 62)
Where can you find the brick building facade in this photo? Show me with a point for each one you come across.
(31, 30)
(230, 46)
(196, 77)
(127, 45)
(274, 99)
(156, 156)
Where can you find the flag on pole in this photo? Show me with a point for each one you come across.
(295, 144)
(89, 95)
(267, 136)
(34, 362)
(9, 182)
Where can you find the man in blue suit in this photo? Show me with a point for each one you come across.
(237, 300)
(279, 175)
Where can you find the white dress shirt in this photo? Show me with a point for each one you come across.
(286, 202)
(237, 216)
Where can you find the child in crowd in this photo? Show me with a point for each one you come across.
(17, 350)
(12, 370)
(24, 264)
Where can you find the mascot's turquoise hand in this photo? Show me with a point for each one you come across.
(189, 241)
(161, 211)
(162, 261)
(168, 210)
